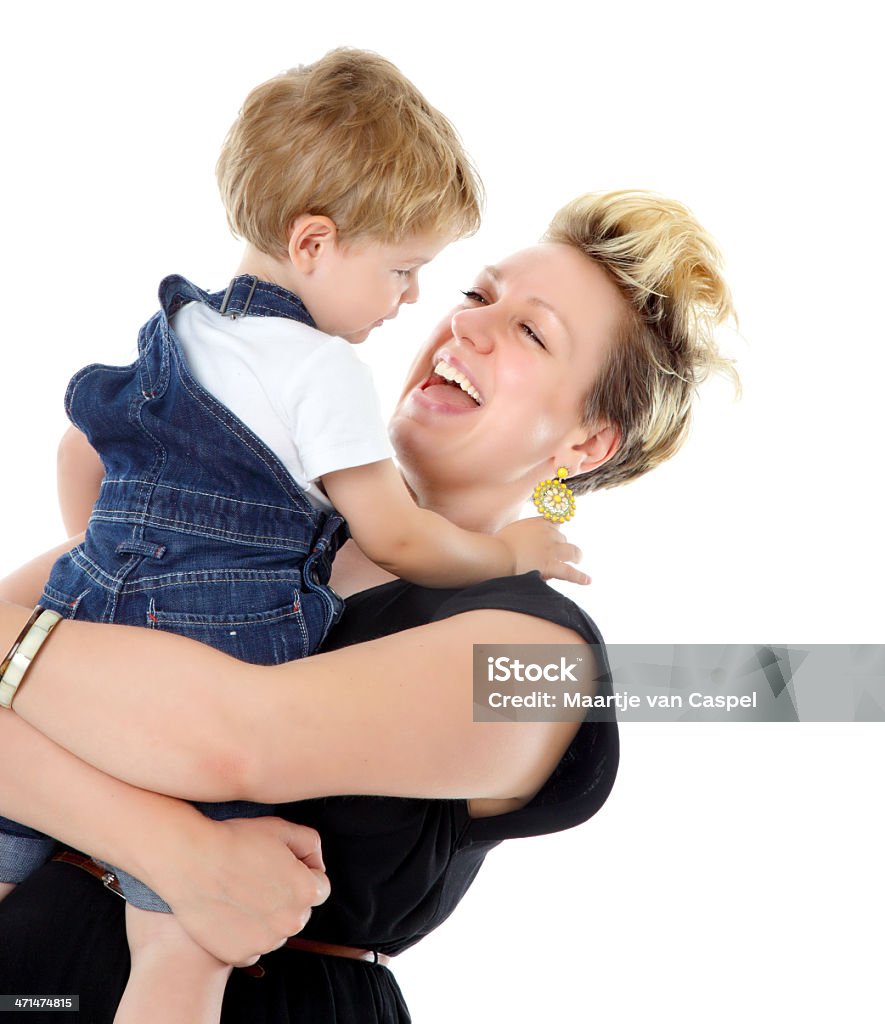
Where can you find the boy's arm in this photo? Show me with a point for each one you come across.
(426, 548)
(80, 473)
(25, 585)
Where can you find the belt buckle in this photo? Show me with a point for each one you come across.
(110, 881)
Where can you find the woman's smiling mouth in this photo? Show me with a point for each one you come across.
(450, 387)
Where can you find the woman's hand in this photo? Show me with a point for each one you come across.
(241, 887)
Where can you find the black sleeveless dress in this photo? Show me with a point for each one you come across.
(398, 867)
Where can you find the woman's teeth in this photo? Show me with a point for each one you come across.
(449, 373)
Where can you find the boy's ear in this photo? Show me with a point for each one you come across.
(598, 444)
(310, 236)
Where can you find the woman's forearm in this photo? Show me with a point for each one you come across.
(152, 709)
(389, 717)
(237, 887)
(50, 789)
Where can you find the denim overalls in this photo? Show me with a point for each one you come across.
(198, 529)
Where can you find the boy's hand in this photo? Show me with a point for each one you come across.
(538, 544)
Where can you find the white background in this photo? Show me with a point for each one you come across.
(734, 874)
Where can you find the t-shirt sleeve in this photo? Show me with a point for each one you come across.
(334, 412)
(583, 779)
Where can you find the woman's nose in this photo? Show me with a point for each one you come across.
(474, 326)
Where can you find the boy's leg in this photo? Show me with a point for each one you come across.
(172, 979)
(22, 851)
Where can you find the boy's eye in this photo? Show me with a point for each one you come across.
(474, 296)
(403, 273)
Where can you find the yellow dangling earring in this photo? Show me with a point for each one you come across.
(554, 499)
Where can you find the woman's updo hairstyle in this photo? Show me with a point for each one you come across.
(669, 271)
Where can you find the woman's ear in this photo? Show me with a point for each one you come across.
(598, 445)
(310, 237)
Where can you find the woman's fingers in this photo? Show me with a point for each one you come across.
(304, 842)
(246, 885)
(323, 887)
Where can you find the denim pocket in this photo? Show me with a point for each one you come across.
(66, 604)
(251, 617)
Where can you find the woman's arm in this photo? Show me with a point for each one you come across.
(390, 717)
(235, 886)
(48, 788)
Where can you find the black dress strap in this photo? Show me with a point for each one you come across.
(584, 777)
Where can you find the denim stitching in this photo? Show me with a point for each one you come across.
(147, 486)
(205, 494)
(93, 570)
(209, 577)
(305, 635)
(223, 416)
(261, 453)
(61, 599)
(149, 584)
(256, 619)
(187, 527)
(235, 426)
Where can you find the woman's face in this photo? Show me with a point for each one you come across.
(495, 395)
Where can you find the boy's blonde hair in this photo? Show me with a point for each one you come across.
(348, 137)
(669, 271)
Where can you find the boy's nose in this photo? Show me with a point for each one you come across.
(411, 293)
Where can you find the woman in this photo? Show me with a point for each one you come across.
(585, 352)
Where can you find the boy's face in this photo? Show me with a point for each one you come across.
(360, 285)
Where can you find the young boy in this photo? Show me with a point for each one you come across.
(247, 431)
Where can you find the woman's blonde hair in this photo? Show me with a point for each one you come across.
(669, 271)
(348, 137)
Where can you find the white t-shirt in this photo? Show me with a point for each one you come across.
(307, 395)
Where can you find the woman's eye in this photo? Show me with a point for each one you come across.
(531, 334)
(473, 296)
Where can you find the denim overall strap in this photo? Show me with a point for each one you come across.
(245, 295)
(178, 458)
(195, 509)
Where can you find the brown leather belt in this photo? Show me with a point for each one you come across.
(371, 956)
(109, 880)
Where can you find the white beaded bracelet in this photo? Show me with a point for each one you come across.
(23, 651)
